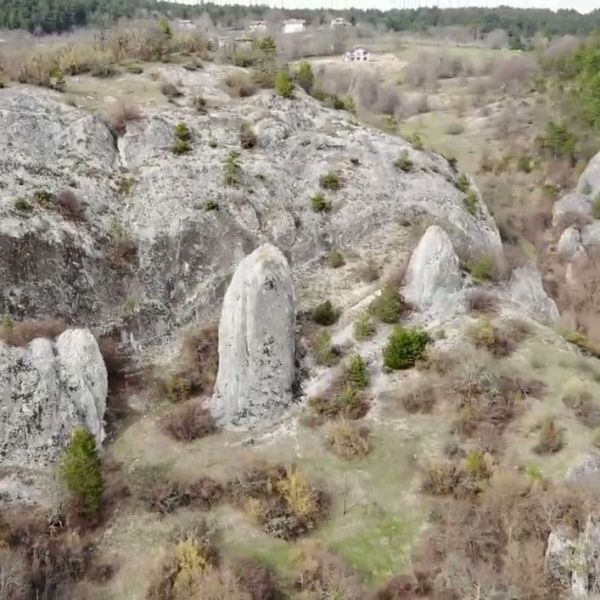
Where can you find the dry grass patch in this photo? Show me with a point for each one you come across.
(281, 499)
(20, 333)
(550, 438)
(189, 422)
(122, 112)
(239, 85)
(348, 440)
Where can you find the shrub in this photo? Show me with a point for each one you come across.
(199, 103)
(81, 471)
(347, 440)
(305, 76)
(284, 86)
(463, 184)
(524, 164)
(404, 163)
(176, 388)
(183, 135)
(471, 201)
(170, 91)
(323, 350)
(13, 575)
(348, 402)
(363, 327)
(122, 112)
(181, 147)
(440, 478)
(550, 437)
(189, 422)
(357, 373)
(68, 205)
(232, 170)
(248, 137)
(482, 270)
(22, 205)
(330, 181)
(576, 396)
(320, 204)
(420, 398)
(325, 313)
(388, 305)
(239, 85)
(211, 205)
(404, 348)
(415, 140)
(135, 69)
(336, 259)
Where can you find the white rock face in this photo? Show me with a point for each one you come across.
(574, 562)
(47, 389)
(569, 245)
(589, 182)
(526, 290)
(256, 341)
(571, 204)
(433, 273)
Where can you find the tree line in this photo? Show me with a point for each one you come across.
(56, 16)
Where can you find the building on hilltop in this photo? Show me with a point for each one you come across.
(294, 26)
(340, 23)
(357, 54)
(258, 26)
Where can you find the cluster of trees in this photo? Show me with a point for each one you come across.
(62, 15)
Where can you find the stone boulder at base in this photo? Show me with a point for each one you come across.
(47, 389)
(256, 341)
(527, 291)
(433, 273)
(589, 182)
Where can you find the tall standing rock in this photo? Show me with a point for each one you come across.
(256, 341)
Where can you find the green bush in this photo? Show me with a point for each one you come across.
(182, 132)
(22, 205)
(558, 142)
(404, 348)
(357, 373)
(181, 147)
(404, 163)
(364, 328)
(232, 171)
(305, 76)
(325, 313)
(415, 140)
(211, 205)
(323, 350)
(388, 306)
(284, 86)
(320, 204)
(81, 471)
(463, 184)
(336, 259)
(330, 181)
(482, 270)
(471, 201)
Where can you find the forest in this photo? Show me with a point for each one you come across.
(56, 16)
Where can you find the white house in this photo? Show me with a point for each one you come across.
(258, 26)
(340, 23)
(356, 55)
(294, 26)
(184, 24)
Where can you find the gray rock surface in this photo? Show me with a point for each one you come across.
(433, 273)
(569, 244)
(575, 562)
(572, 204)
(135, 187)
(586, 471)
(47, 389)
(589, 181)
(526, 290)
(256, 342)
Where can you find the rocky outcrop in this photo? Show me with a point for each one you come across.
(526, 290)
(589, 181)
(433, 273)
(575, 562)
(47, 389)
(256, 342)
(573, 206)
(570, 244)
(135, 188)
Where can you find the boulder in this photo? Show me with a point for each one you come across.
(586, 471)
(569, 245)
(571, 206)
(526, 290)
(47, 389)
(256, 342)
(433, 273)
(589, 182)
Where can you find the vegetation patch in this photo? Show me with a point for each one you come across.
(404, 348)
(320, 204)
(388, 306)
(330, 181)
(347, 440)
(363, 327)
(325, 313)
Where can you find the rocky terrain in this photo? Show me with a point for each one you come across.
(115, 233)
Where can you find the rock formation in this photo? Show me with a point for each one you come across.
(575, 562)
(47, 389)
(433, 273)
(256, 341)
(526, 290)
